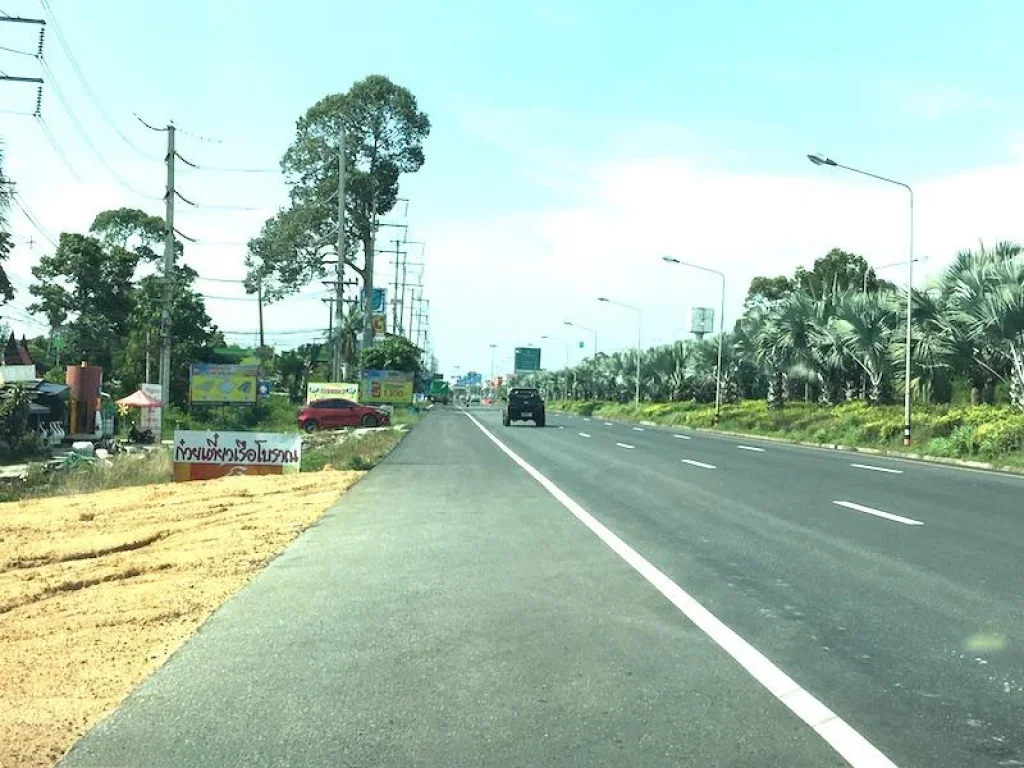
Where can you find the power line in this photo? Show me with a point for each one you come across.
(85, 137)
(32, 219)
(85, 83)
(224, 169)
(57, 148)
(213, 207)
(15, 50)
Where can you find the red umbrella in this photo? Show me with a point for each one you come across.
(139, 399)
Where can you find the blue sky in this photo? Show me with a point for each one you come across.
(575, 140)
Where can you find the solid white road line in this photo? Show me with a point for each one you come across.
(701, 464)
(848, 743)
(750, 448)
(878, 469)
(625, 445)
(583, 434)
(878, 513)
(681, 437)
(638, 429)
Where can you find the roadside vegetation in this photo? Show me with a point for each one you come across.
(819, 357)
(988, 433)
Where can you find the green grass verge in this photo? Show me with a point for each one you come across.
(987, 433)
(359, 452)
(355, 451)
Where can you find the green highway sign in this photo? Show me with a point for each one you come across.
(527, 359)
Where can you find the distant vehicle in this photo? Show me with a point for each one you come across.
(336, 412)
(439, 392)
(523, 405)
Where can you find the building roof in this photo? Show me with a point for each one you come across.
(16, 352)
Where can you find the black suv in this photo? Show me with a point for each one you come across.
(523, 405)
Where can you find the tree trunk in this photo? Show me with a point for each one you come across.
(875, 396)
(776, 390)
(976, 392)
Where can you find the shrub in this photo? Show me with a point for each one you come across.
(1001, 436)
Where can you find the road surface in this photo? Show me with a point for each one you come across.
(601, 594)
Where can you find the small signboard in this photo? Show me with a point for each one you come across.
(527, 359)
(321, 390)
(702, 320)
(204, 455)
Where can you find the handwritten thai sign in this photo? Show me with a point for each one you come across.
(201, 455)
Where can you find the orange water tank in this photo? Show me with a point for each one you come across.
(84, 383)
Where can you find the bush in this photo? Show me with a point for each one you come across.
(997, 437)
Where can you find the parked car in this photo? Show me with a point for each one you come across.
(336, 412)
(523, 405)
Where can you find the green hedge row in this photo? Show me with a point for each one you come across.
(983, 431)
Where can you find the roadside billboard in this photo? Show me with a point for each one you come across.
(203, 455)
(386, 387)
(219, 384)
(702, 320)
(527, 359)
(321, 390)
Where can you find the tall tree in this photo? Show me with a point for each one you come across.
(384, 131)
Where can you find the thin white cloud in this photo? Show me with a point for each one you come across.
(942, 101)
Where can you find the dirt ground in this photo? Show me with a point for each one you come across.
(97, 590)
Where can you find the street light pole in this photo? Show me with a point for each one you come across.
(820, 160)
(583, 328)
(639, 334)
(721, 327)
(492, 363)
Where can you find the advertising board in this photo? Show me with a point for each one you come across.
(321, 390)
(203, 455)
(215, 383)
(379, 387)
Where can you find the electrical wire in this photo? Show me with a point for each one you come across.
(224, 169)
(32, 219)
(57, 148)
(212, 207)
(85, 137)
(85, 83)
(15, 50)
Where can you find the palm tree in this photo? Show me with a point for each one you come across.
(865, 323)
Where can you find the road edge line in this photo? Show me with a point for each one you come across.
(836, 732)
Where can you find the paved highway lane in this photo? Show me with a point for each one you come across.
(911, 633)
(978, 513)
(451, 611)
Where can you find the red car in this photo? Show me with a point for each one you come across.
(335, 412)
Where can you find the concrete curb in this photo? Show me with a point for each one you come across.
(962, 463)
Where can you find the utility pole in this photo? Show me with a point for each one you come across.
(339, 288)
(396, 323)
(165, 318)
(259, 305)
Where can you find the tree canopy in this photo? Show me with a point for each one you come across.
(394, 353)
(384, 131)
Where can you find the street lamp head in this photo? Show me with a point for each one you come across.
(566, 322)
(820, 159)
(670, 259)
(602, 298)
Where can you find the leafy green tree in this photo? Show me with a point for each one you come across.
(384, 132)
(394, 353)
(193, 336)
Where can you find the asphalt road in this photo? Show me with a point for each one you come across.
(600, 594)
